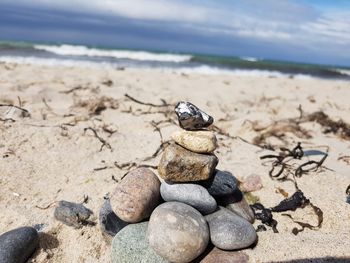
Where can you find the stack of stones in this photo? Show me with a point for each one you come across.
(202, 205)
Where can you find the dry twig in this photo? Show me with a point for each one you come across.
(103, 141)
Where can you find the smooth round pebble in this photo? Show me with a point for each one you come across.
(222, 183)
(130, 245)
(229, 231)
(251, 183)
(17, 245)
(192, 194)
(196, 141)
(178, 232)
(136, 195)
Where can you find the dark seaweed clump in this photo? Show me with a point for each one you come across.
(281, 170)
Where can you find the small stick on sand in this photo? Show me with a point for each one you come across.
(103, 141)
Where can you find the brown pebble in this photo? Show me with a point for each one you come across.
(251, 183)
(217, 255)
(181, 165)
(136, 196)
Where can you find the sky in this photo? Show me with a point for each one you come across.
(310, 31)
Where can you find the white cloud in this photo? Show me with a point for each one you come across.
(138, 9)
(286, 22)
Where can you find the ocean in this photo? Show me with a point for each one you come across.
(88, 56)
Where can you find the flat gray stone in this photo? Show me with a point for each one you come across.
(178, 232)
(110, 223)
(192, 194)
(222, 183)
(17, 245)
(229, 231)
(131, 245)
(72, 214)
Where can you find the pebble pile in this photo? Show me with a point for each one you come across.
(192, 211)
(190, 207)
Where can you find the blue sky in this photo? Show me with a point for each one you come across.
(296, 30)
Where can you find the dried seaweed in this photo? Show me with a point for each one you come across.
(345, 158)
(164, 103)
(73, 89)
(282, 192)
(158, 151)
(7, 120)
(47, 206)
(280, 128)
(104, 143)
(309, 166)
(330, 126)
(95, 106)
(297, 200)
(261, 228)
(265, 216)
(24, 112)
(304, 225)
(280, 170)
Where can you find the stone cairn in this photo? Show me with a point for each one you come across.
(202, 204)
(203, 207)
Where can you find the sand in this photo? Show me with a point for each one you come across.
(48, 157)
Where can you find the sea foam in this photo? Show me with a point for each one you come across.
(69, 50)
(203, 69)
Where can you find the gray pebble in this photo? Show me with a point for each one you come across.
(130, 245)
(222, 183)
(178, 232)
(192, 194)
(72, 214)
(229, 231)
(17, 245)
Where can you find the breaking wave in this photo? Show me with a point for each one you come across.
(70, 50)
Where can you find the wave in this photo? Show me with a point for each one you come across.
(52, 62)
(210, 70)
(185, 68)
(250, 59)
(343, 71)
(70, 50)
(203, 69)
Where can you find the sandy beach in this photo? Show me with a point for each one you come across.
(51, 153)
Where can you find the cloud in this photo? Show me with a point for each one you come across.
(137, 9)
(273, 23)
